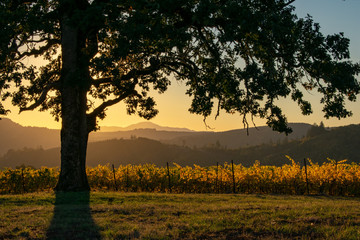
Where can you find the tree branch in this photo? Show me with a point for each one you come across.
(146, 71)
(107, 104)
(209, 45)
(92, 44)
(127, 92)
(39, 41)
(172, 65)
(42, 98)
(288, 3)
(99, 81)
(16, 3)
(40, 50)
(91, 117)
(134, 73)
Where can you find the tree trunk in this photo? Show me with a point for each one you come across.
(74, 137)
(74, 132)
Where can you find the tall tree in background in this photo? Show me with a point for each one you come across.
(235, 55)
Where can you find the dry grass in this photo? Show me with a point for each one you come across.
(109, 215)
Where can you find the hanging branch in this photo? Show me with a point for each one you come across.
(42, 98)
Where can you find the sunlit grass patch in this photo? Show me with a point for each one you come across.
(113, 215)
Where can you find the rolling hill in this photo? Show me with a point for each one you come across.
(338, 143)
(239, 138)
(15, 136)
(144, 125)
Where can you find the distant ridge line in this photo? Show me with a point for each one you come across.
(143, 125)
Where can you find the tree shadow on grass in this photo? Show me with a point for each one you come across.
(72, 217)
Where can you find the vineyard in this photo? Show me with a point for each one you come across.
(332, 178)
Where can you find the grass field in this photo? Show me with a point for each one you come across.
(109, 215)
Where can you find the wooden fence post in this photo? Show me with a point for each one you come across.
(233, 175)
(306, 177)
(168, 173)
(217, 174)
(221, 178)
(333, 187)
(114, 177)
(127, 178)
(23, 180)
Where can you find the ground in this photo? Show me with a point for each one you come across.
(113, 215)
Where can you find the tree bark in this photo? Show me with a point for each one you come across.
(74, 132)
(74, 138)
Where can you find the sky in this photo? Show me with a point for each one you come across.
(334, 16)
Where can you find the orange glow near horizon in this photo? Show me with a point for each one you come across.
(333, 17)
(173, 112)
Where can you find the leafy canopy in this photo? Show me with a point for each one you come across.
(236, 55)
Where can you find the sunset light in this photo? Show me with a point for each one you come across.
(179, 119)
(173, 105)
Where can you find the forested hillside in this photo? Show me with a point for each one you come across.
(241, 137)
(319, 144)
(15, 136)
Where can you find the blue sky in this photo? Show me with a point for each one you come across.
(335, 16)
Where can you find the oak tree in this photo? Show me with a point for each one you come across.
(239, 56)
